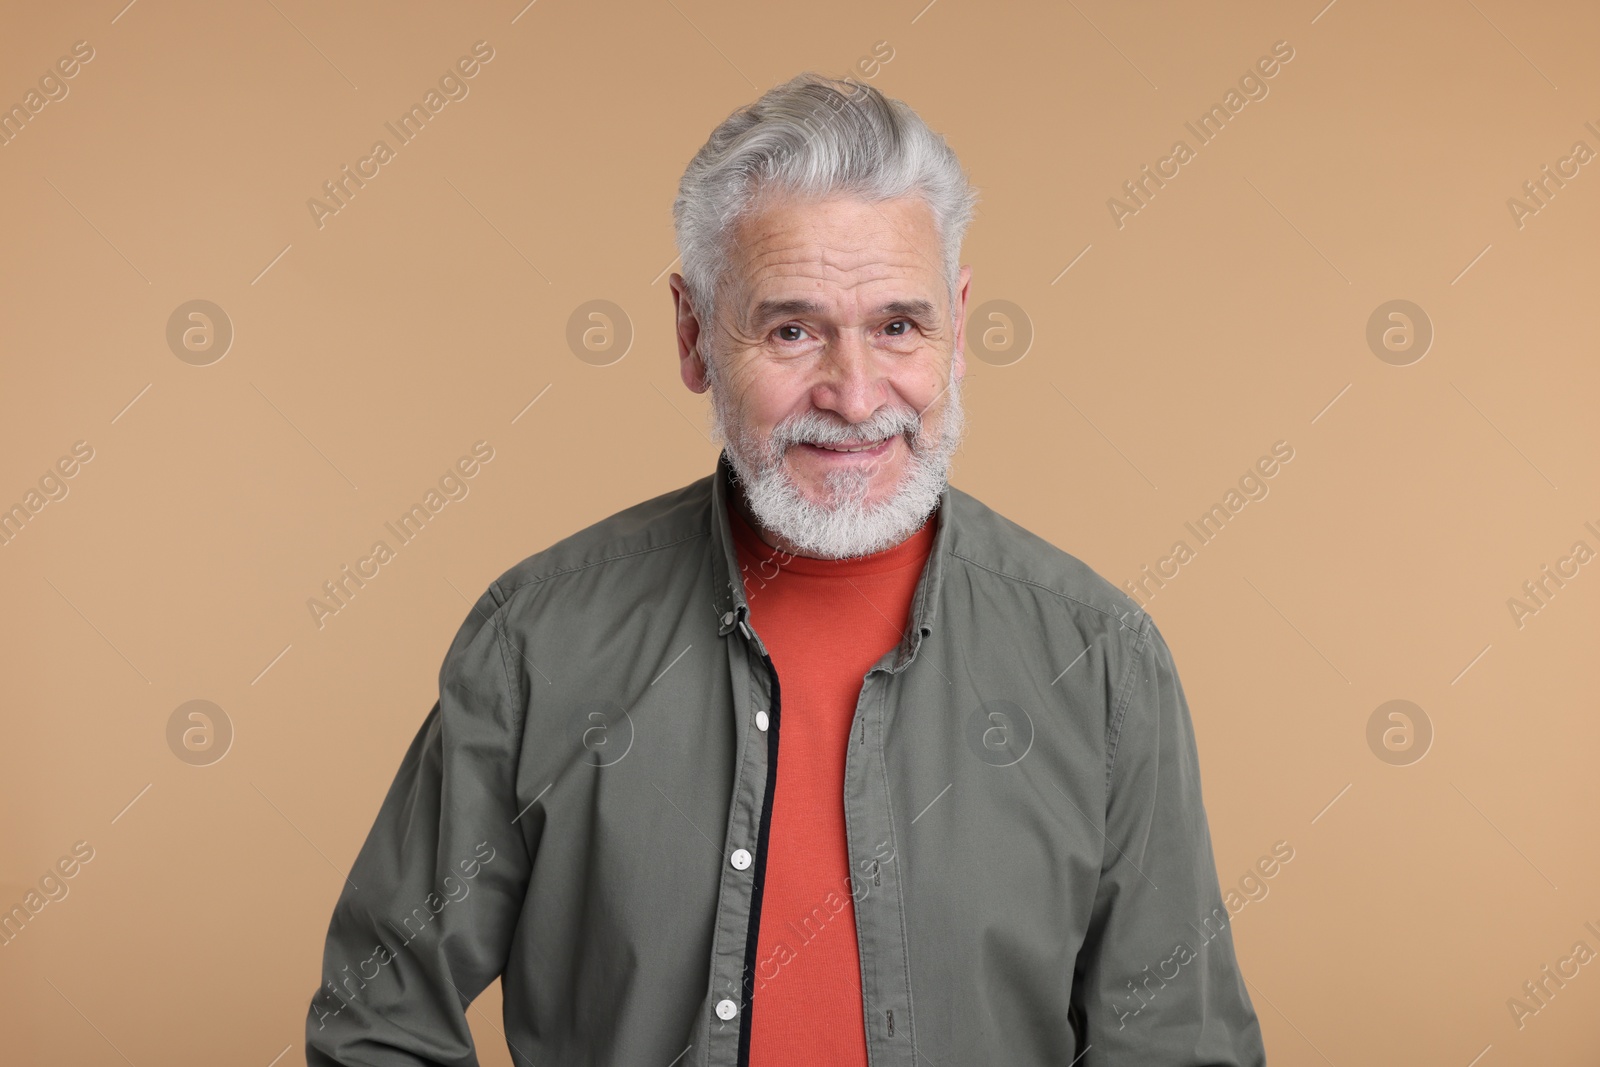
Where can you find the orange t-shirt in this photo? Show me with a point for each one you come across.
(824, 623)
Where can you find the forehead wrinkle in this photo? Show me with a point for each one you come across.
(785, 257)
(910, 244)
(773, 241)
(827, 260)
(816, 276)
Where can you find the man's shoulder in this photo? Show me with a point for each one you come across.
(641, 532)
(996, 545)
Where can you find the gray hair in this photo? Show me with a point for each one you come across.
(813, 136)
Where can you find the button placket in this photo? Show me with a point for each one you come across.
(880, 911)
(735, 945)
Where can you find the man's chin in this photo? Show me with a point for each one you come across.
(835, 499)
(834, 525)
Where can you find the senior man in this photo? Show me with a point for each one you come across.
(816, 760)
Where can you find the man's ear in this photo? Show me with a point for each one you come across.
(958, 363)
(691, 367)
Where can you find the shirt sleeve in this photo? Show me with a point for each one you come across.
(425, 919)
(1156, 982)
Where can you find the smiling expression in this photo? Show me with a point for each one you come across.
(835, 331)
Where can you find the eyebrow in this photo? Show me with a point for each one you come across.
(767, 310)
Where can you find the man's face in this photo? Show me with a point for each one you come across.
(836, 365)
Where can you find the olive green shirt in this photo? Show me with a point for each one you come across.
(584, 813)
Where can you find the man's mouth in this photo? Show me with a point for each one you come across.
(849, 451)
(867, 447)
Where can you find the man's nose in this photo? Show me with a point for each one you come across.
(852, 379)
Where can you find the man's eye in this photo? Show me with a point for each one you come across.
(898, 328)
(790, 333)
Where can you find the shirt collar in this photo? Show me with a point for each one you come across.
(728, 595)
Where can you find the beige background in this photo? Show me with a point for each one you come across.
(1228, 314)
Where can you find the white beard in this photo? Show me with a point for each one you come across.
(845, 526)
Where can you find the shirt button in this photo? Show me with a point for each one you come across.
(727, 1009)
(740, 860)
(727, 620)
(761, 720)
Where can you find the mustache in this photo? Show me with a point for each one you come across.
(813, 428)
